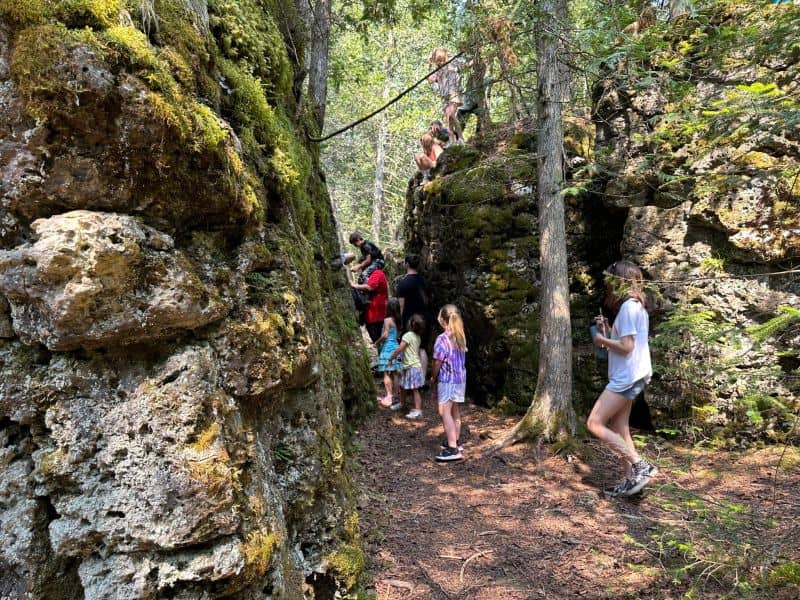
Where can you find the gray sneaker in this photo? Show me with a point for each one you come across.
(645, 468)
(641, 472)
(618, 490)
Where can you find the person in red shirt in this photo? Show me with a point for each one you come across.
(376, 309)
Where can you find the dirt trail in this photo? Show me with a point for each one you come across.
(525, 524)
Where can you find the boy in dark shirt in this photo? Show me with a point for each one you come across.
(371, 256)
(440, 132)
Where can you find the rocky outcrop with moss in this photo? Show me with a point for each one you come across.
(475, 228)
(176, 370)
(695, 175)
(698, 147)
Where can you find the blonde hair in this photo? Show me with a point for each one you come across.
(438, 56)
(426, 141)
(453, 325)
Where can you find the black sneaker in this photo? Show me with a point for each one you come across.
(449, 454)
(458, 444)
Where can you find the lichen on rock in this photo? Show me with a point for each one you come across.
(176, 376)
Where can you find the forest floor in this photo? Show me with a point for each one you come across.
(528, 524)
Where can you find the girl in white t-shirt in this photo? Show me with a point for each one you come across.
(629, 371)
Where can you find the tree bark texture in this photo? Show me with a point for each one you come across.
(379, 190)
(551, 409)
(550, 415)
(318, 60)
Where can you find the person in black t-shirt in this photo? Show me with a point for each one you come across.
(411, 290)
(413, 295)
(371, 256)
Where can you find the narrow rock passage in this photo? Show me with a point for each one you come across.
(525, 524)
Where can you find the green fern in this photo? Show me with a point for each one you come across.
(786, 318)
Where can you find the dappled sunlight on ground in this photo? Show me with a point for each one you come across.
(525, 524)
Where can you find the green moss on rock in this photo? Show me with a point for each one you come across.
(247, 34)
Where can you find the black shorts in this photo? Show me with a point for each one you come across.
(375, 330)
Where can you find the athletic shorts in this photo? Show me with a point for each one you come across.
(451, 392)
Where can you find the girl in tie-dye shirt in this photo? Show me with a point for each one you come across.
(449, 378)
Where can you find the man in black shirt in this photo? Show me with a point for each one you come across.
(411, 291)
(371, 256)
(413, 295)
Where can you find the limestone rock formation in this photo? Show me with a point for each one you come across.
(708, 179)
(95, 279)
(176, 369)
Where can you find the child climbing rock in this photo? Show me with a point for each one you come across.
(427, 159)
(371, 256)
(412, 378)
(629, 371)
(439, 132)
(447, 82)
(449, 379)
(387, 344)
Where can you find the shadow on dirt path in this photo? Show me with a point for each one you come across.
(525, 524)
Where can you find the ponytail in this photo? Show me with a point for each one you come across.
(454, 324)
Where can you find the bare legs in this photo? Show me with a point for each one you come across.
(389, 384)
(424, 163)
(452, 122)
(608, 422)
(451, 420)
(417, 400)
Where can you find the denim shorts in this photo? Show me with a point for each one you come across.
(451, 392)
(636, 389)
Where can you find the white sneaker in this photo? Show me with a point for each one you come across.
(414, 414)
(395, 406)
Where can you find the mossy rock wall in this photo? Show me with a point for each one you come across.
(475, 226)
(178, 368)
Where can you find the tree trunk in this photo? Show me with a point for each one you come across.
(477, 88)
(551, 414)
(379, 190)
(318, 60)
(512, 89)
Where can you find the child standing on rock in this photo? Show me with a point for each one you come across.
(412, 378)
(387, 344)
(629, 371)
(447, 82)
(449, 379)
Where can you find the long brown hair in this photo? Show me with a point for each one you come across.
(393, 310)
(453, 324)
(624, 280)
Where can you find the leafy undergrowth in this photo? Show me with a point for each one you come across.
(526, 524)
